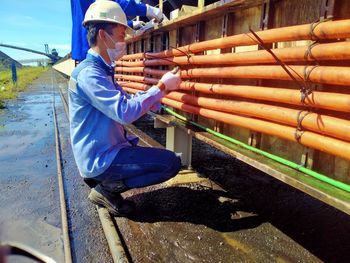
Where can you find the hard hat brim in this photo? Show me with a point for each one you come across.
(129, 30)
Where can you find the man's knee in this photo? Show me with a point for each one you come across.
(175, 167)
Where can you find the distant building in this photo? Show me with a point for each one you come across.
(6, 61)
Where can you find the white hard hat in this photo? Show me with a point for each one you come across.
(107, 12)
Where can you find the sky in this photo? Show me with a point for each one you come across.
(33, 23)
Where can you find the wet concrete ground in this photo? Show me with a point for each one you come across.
(232, 213)
(29, 201)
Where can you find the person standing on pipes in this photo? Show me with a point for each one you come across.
(110, 161)
(80, 44)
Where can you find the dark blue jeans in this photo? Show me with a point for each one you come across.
(142, 166)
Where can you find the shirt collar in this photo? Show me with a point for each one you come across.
(95, 54)
(109, 69)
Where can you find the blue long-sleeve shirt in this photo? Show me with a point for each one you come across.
(80, 44)
(98, 109)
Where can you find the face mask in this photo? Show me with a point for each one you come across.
(118, 51)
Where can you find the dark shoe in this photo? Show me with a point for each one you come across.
(91, 182)
(114, 203)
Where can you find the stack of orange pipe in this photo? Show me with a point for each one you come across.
(322, 100)
(319, 123)
(317, 74)
(320, 131)
(314, 140)
(331, 51)
(327, 30)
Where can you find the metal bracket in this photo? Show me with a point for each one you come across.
(178, 33)
(308, 157)
(224, 27)
(327, 9)
(254, 139)
(265, 15)
(180, 142)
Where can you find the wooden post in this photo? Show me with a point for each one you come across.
(161, 5)
(201, 3)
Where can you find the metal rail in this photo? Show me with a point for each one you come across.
(63, 206)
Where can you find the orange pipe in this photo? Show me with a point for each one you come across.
(134, 56)
(130, 69)
(317, 99)
(149, 71)
(155, 72)
(122, 63)
(327, 30)
(318, 123)
(320, 142)
(323, 100)
(331, 126)
(332, 51)
(134, 85)
(318, 74)
(137, 79)
(309, 139)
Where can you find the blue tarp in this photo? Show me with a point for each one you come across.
(80, 45)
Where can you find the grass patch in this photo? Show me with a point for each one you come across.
(25, 76)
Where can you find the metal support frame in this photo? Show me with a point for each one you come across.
(265, 15)
(308, 157)
(327, 9)
(255, 139)
(224, 26)
(178, 141)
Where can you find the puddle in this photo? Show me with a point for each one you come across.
(28, 172)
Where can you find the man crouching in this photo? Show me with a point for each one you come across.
(110, 161)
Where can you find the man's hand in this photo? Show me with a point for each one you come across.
(138, 24)
(170, 80)
(153, 12)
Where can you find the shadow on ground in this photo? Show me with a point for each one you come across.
(183, 204)
(321, 229)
